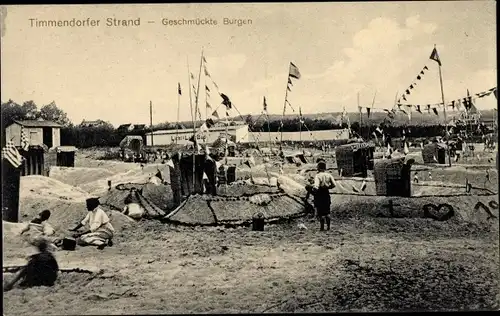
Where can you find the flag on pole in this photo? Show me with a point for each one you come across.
(204, 60)
(170, 163)
(12, 155)
(226, 101)
(265, 105)
(389, 150)
(208, 105)
(434, 56)
(368, 112)
(290, 81)
(206, 72)
(25, 143)
(179, 89)
(294, 71)
(206, 88)
(215, 114)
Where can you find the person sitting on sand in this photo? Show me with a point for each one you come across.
(38, 228)
(133, 206)
(323, 182)
(41, 270)
(101, 231)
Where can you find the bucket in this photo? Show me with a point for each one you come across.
(258, 222)
(69, 244)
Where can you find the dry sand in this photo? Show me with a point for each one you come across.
(368, 262)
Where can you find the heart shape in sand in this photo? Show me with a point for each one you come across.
(441, 212)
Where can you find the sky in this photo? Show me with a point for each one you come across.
(342, 50)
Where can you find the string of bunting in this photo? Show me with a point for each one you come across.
(466, 102)
(413, 85)
(457, 103)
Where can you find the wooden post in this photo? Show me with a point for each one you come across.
(151, 121)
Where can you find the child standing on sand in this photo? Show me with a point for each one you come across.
(323, 182)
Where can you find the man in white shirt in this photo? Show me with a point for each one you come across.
(101, 231)
(323, 182)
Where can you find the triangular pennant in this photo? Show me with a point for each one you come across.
(407, 91)
(421, 72)
(404, 98)
(452, 104)
(418, 109)
(206, 72)
(368, 112)
(428, 108)
(434, 56)
(411, 86)
(406, 150)
(208, 105)
(425, 67)
(215, 114)
(435, 111)
(290, 81)
(418, 77)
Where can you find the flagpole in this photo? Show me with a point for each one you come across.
(300, 128)
(178, 109)
(192, 119)
(360, 120)
(284, 109)
(444, 109)
(151, 121)
(195, 150)
(269, 133)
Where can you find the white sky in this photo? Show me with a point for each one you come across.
(340, 48)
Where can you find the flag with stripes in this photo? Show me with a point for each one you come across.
(25, 143)
(12, 155)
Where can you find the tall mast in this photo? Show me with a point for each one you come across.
(284, 109)
(193, 120)
(151, 121)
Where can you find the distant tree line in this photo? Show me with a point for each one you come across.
(105, 135)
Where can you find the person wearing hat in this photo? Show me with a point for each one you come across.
(323, 182)
(100, 231)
